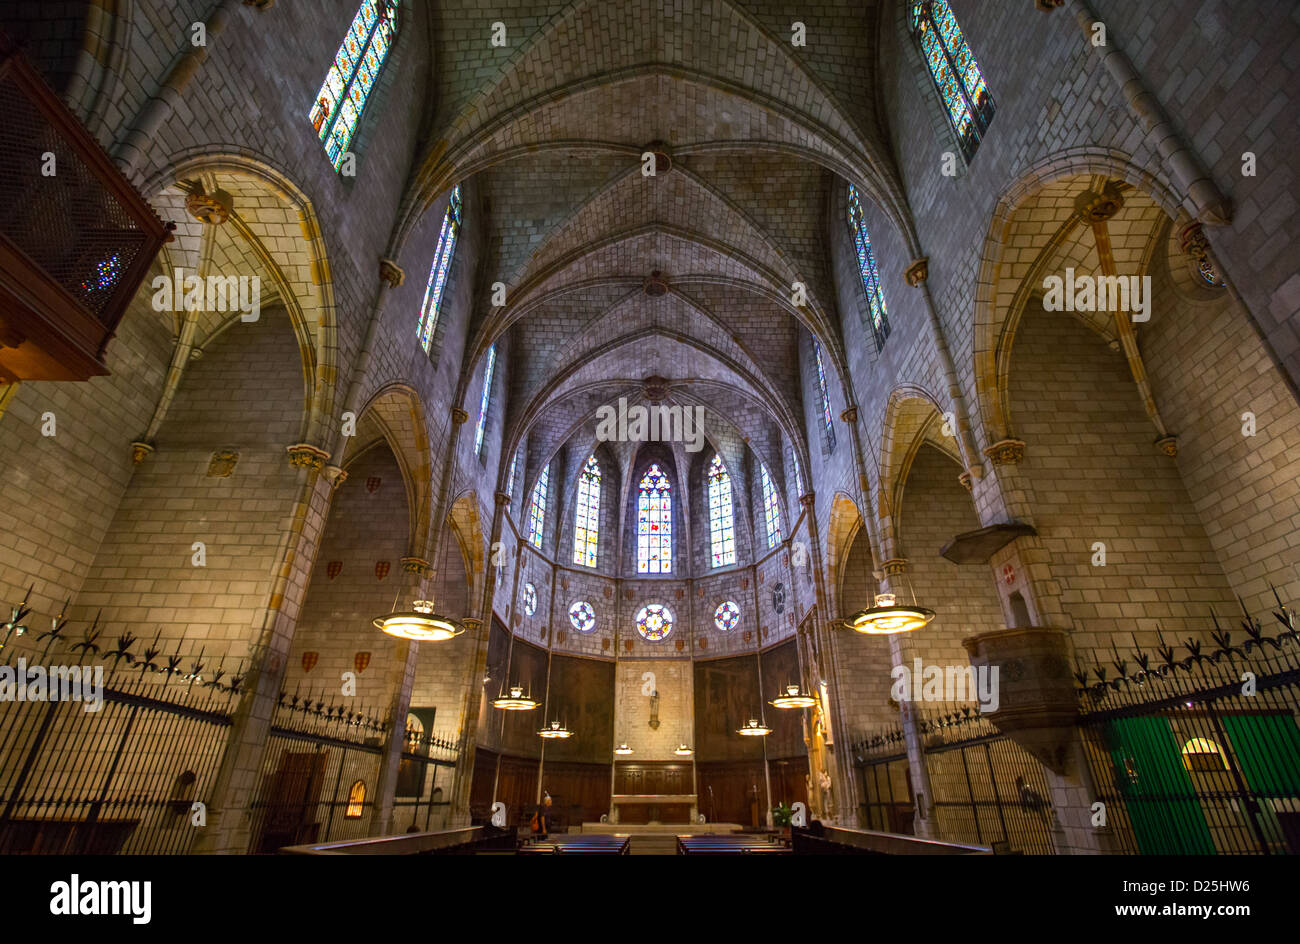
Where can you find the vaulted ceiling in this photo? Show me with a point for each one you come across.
(548, 135)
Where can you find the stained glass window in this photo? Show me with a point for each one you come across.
(510, 479)
(654, 524)
(956, 74)
(1205, 268)
(351, 77)
(798, 472)
(825, 395)
(583, 616)
(867, 268)
(530, 599)
(771, 508)
(537, 508)
(726, 616)
(722, 535)
(483, 401)
(440, 270)
(356, 801)
(586, 526)
(654, 622)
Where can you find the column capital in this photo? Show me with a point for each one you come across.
(894, 567)
(966, 482)
(807, 499)
(140, 451)
(849, 414)
(306, 456)
(918, 271)
(335, 475)
(501, 498)
(458, 416)
(416, 565)
(1006, 451)
(391, 272)
(1192, 240)
(1168, 445)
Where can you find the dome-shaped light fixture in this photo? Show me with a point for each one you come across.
(419, 623)
(887, 618)
(792, 697)
(555, 730)
(515, 701)
(754, 728)
(683, 751)
(623, 750)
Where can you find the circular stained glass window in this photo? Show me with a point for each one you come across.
(530, 599)
(583, 616)
(654, 622)
(726, 616)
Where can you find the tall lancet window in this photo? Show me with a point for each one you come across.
(537, 508)
(867, 268)
(483, 402)
(439, 271)
(771, 508)
(586, 525)
(654, 524)
(351, 77)
(510, 479)
(798, 472)
(955, 72)
(722, 533)
(827, 421)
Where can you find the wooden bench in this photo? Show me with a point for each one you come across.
(730, 844)
(577, 844)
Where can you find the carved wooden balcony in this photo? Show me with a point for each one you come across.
(76, 239)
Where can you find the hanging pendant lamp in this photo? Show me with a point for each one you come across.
(554, 731)
(887, 618)
(793, 697)
(623, 750)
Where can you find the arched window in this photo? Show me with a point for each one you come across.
(439, 271)
(1203, 755)
(586, 526)
(356, 800)
(350, 79)
(798, 472)
(537, 508)
(483, 402)
(826, 397)
(954, 70)
(654, 527)
(510, 479)
(867, 268)
(771, 508)
(722, 534)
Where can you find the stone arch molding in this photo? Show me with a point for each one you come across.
(1005, 282)
(299, 265)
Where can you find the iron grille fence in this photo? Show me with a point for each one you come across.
(1197, 750)
(987, 789)
(120, 777)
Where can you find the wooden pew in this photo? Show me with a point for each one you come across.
(577, 844)
(730, 844)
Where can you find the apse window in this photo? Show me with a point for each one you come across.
(356, 800)
(771, 508)
(654, 549)
(586, 525)
(722, 532)
(654, 622)
(439, 271)
(583, 616)
(342, 98)
(726, 616)
(530, 599)
(878, 317)
(537, 508)
(956, 74)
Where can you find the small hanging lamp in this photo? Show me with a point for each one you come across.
(515, 700)
(887, 618)
(754, 728)
(623, 750)
(554, 731)
(420, 623)
(683, 751)
(793, 697)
